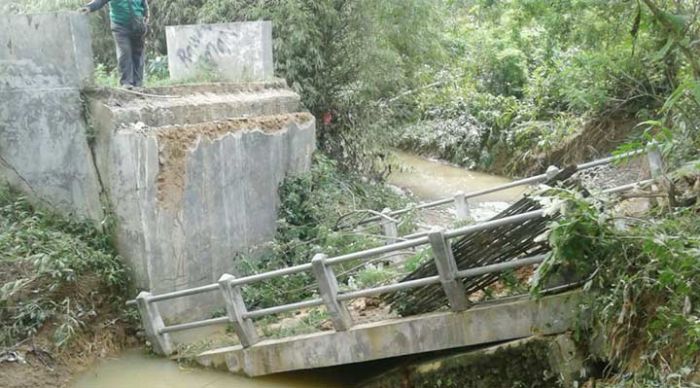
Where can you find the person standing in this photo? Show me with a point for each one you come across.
(129, 25)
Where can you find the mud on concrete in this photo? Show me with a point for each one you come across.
(175, 142)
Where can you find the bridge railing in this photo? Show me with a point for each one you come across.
(460, 200)
(331, 296)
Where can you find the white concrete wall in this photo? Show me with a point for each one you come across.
(227, 206)
(44, 61)
(240, 52)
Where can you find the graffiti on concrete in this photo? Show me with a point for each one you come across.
(233, 51)
(208, 43)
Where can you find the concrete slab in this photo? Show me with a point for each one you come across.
(55, 45)
(44, 151)
(201, 106)
(425, 333)
(44, 61)
(234, 51)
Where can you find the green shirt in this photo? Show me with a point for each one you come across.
(119, 11)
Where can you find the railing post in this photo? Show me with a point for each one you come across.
(447, 269)
(152, 324)
(656, 163)
(462, 206)
(389, 227)
(236, 310)
(552, 171)
(328, 286)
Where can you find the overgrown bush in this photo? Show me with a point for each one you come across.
(534, 72)
(57, 277)
(314, 207)
(455, 140)
(645, 278)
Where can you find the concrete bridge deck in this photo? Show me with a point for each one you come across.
(488, 323)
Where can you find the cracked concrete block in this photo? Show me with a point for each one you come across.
(235, 51)
(44, 151)
(191, 176)
(188, 199)
(47, 50)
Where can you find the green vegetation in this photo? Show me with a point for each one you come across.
(315, 207)
(59, 280)
(645, 275)
(309, 321)
(507, 86)
(533, 82)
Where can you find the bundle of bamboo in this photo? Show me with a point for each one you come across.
(480, 248)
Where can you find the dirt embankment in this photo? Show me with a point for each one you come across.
(596, 139)
(37, 360)
(35, 364)
(56, 315)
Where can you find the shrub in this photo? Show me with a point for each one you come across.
(56, 275)
(314, 207)
(645, 278)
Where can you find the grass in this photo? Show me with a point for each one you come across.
(156, 75)
(57, 276)
(305, 322)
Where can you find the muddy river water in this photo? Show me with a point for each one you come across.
(431, 179)
(426, 179)
(135, 368)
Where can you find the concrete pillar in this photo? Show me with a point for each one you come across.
(152, 324)
(552, 171)
(447, 269)
(462, 206)
(328, 287)
(566, 360)
(390, 228)
(236, 310)
(656, 164)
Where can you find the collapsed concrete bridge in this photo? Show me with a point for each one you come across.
(446, 286)
(190, 175)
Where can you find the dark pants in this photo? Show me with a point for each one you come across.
(130, 55)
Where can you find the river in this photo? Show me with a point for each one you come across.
(429, 180)
(426, 179)
(135, 368)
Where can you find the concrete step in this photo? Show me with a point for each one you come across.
(191, 104)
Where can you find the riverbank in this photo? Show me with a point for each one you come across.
(39, 364)
(39, 262)
(62, 294)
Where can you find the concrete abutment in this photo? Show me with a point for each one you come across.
(189, 172)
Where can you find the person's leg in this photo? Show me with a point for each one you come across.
(138, 54)
(125, 63)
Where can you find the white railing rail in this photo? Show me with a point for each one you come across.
(461, 199)
(331, 297)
